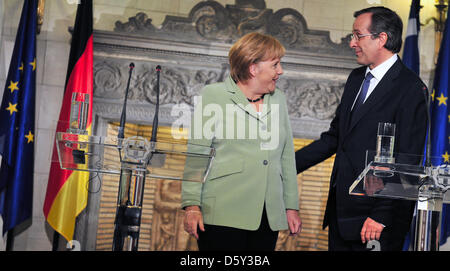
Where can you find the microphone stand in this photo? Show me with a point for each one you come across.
(129, 205)
(155, 118)
(427, 228)
(122, 221)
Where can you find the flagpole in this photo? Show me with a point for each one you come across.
(10, 240)
(55, 243)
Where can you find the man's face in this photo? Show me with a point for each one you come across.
(367, 47)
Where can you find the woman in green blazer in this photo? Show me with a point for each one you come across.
(251, 191)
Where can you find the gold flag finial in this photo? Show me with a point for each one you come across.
(40, 15)
(441, 6)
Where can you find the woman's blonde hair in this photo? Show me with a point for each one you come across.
(251, 49)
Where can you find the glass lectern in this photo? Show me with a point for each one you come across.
(405, 178)
(136, 159)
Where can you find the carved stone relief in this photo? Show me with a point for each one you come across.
(313, 98)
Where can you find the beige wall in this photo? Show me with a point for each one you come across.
(54, 43)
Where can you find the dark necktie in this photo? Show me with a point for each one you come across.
(363, 93)
(361, 97)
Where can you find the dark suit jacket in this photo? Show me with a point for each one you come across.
(398, 98)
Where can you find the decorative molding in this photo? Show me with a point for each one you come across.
(316, 99)
(313, 99)
(179, 85)
(210, 21)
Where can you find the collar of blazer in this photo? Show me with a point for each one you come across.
(238, 98)
(384, 87)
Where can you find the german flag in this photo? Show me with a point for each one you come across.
(67, 190)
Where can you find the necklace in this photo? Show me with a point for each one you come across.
(255, 100)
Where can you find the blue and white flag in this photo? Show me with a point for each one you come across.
(411, 56)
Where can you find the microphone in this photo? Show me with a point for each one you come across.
(155, 118)
(121, 220)
(156, 159)
(123, 117)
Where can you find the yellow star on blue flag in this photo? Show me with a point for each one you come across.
(13, 86)
(12, 108)
(442, 99)
(29, 137)
(33, 64)
(446, 157)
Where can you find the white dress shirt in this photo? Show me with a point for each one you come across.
(378, 72)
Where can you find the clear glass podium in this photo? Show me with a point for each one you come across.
(88, 153)
(405, 178)
(134, 159)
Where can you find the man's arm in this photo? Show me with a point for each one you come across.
(320, 149)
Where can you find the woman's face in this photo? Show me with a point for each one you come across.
(266, 73)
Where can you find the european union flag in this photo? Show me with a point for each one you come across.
(411, 50)
(17, 124)
(440, 116)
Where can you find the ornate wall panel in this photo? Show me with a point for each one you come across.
(193, 52)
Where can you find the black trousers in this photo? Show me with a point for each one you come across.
(220, 238)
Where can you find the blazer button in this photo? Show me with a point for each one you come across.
(265, 162)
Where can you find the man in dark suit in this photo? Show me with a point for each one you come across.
(383, 90)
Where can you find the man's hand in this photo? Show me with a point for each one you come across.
(373, 184)
(371, 230)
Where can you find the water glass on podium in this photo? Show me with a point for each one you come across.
(385, 143)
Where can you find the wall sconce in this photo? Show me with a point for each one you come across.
(40, 15)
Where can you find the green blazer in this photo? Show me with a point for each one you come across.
(254, 163)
